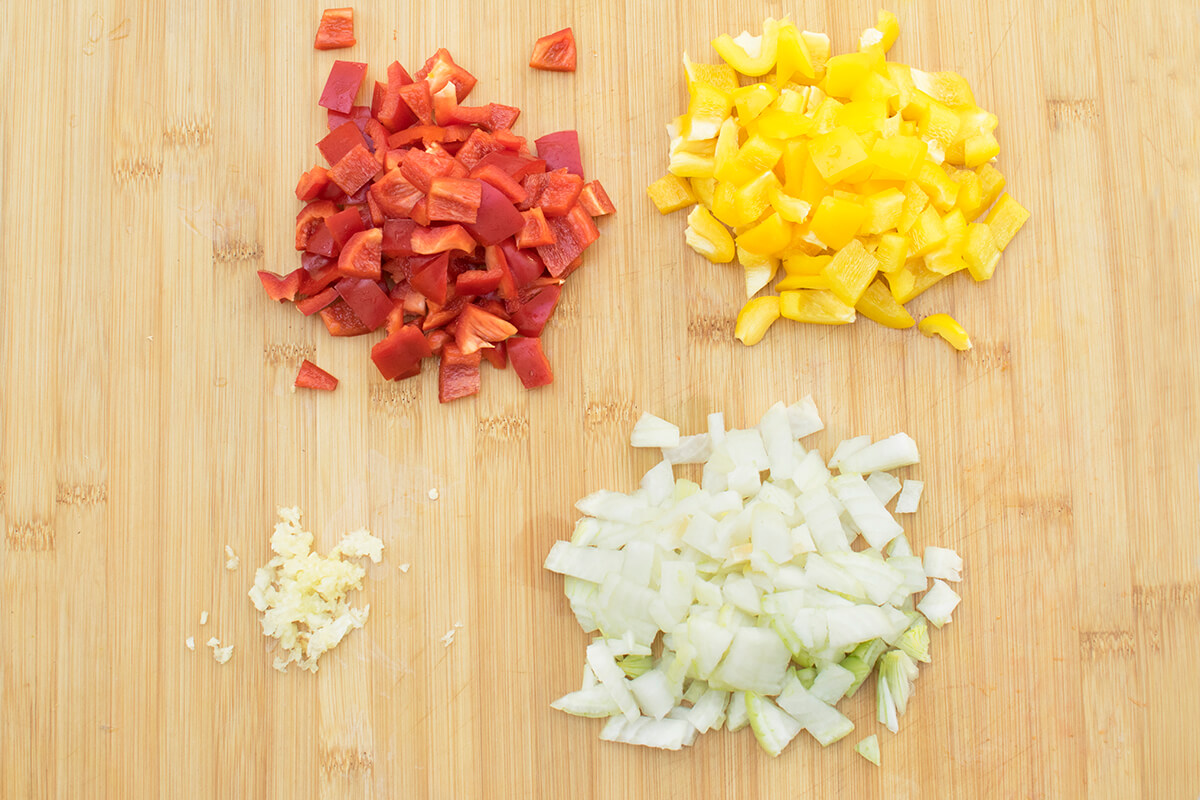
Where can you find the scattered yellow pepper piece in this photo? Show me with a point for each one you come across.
(721, 76)
(670, 193)
(980, 251)
(755, 318)
(1005, 219)
(759, 270)
(878, 305)
(815, 305)
(708, 237)
(948, 328)
(802, 282)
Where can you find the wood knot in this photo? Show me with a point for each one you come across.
(81, 494)
(505, 428)
(1168, 595)
(188, 132)
(237, 250)
(129, 171)
(1095, 645)
(606, 412)
(278, 354)
(1068, 111)
(336, 761)
(710, 328)
(31, 536)
(393, 398)
(991, 356)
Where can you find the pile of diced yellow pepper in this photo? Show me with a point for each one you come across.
(862, 177)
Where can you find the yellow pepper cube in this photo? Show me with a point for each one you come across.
(793, 209)
(792, 165)
(794, 62)
(876, 88)
(836, 153)
(934, 181)
(975, 121)
(939, 123)
(771, 235)
(862, 115)
(726, 148)
(927, 234)
(756, 156)
(703, 189)
(883, 211)
(750, 101)
(948, 88)
(912, 280)
(914, 106)
(846, 71)
(915, 201)
(888, 27)
(690, 165)
(758, 269)
(824, 116)
(804, 264)
(708, 237)
(851, 272)
(898, 157)
(992, 182)
(980, 149)
(836, 221)
(877, 304)
(816, 306)
(755, 197)
(720, 76)
(755, 318)
(791, 101)
(670, 193)
(970, 193)
(980, 251)
(813, 187)
(945, 261)
(948, 328)
(818, 49)
(776, 124)
(707, 109)
(1005, 219)
(891, 252)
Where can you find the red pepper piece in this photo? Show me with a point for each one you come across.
(560, 150)
(358, 115)
(440, 69)
(442, 239)
(342, 85)
(496, 356)
(319, 272)
(335, 31)
(313, 377)
(511, 141)
(437, 315)
(392, 111)
(526, 266)
(516, 166)
(426, 134)
(377, 136)
(476, 328)
(572, 235)
(498, 218)
(395, 194)
(345, 224)
(340, 141)
(501, 117)
(400, 354)
(477, 282)
(397, 238)
(420, 212)
(437, 340)
(554, 192)
(529, 361)
(416, 96)
(432, 279)
(501, 180)
(496, 261)
(366, 299)
(536, 232)
(476, 148)
(533, 314)
(282, 287)
(393, 158)
(374, 212)
(421, 167)
(454, 199)
(322, 243)
(595, 200)
(310, 219)
(311, 305)
(555, 52)
(312, 183)
(458, 373)
(354, 169)
(361, 256)
(341, 320)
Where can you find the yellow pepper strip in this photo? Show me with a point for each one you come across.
(792, 282)
(707, 109)
(793, 209)
(736, 52)
(1005, 219)
(759, 270)
(888, 27)
(769, 236)
(708, 237)
(915, 201)
(980, 149)
(750, 101)
(837, 220)
(912, 280)
(928, 233)
(755, 318)
(804, 264)
(793, 61)
(877, 304)
(850, 272)
(992, 182)
(815, 305)
(948, 328)
(722, 76)
(703, 189)
(670, 193)
(818, 49)
(980, 251)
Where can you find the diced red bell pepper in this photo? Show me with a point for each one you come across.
(282, 287)
(498, 218)
(555, 52)
(400, 354)
(560, 150)
(340, 141)
(378, 138)
(476, 148)
(311, 376)
(496, 261)
(395, 194)
(526, 266)
(536, 231)
(357, 198)
(476, 328)
(554, 192)
(393, 112)
(438, 339)
(420, 212)
(437, 315)
(476, 282)
(572, 235)
(374, 212)
(501, 180)
(533, 314)
(496, 356)
(319, 272)
(336, 30)
(342, 85)
(421, 167)
(352, 172)
(458, 373)
(426, 134)
(341, 320)
(311, 305)
(501, 117)
(310, 219)
(595, 200)
(511, 141)
(447, 111)
(322, 243)
(416, 96)
(366, 299)
(345, 224)
(515, 165)
(454, 199)
(529, 361)
(440, 69)
(359, 115)
(312, 183)
(432, 279)
(397, 238)
(442, 239)
(361, 256)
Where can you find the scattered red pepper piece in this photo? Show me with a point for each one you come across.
(595, 200)
(559, 150)
(282, 288)
(313, 377)
(336, 29)
(342, 85)
(401, 352)
(529, 361)
(555, 52)
(458, 373)
(360, 258)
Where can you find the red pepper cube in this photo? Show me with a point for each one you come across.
(421, 167)
(312, 183)
(476, 328)
(420, 212)
(342, 85)
(366, 299)
(458, 373)
(497, 262)
(477, 282)
(517, 166)
(536, 232)
(282, 287)
(345, 224)
(595, 200)
(341, 320)
(310, 219)
(440, 69)
(442, 239)
(418, 99)
(401, 352)
(501, 117)
(395, 195)
(498, 218)
(476, 148)
(554, 192)
(536, 311)
(393, 112)
(525, 265)
(498, 178)
(454, 199)
(573, 233)
(311, 376)
(336, 30)
(354, 169)
(432, 278)
(397, 238)
(496, 356)
(561, 150)
(319, 272)
(359, 115)
(555, 52)
(322, 243)
(362, 255)
(510, 141)
(529, 362)
(311, 305)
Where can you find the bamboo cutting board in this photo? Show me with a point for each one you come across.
(150, 150)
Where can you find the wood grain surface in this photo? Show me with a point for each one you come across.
(149, 155)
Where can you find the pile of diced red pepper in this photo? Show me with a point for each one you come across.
(438, 224)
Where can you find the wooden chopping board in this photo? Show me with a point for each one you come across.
(150, 150)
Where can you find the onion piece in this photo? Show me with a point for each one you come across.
(652, 431)
(910, 497)
(938, 603)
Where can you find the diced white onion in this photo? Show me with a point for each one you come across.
(910, 497)
(652, 431)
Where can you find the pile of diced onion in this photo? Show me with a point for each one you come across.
(761, 596)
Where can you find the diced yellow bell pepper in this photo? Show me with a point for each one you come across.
(793, 209)
(791, 101)
(824, 116)
(776, 124)
(755, 318)
(707, 109)
(861, 116)
(992, 182)
(753, 158)
(793, 61)
(818, 50)
(851, 272)
(708, 237)
(970, 193)
(725, 205)
(898, 157)
(948, 259)
(891, 252)
(927, 234)
(771, 235)
(755, 197)
(915, 201)
(934, 181)
(837, 153)
(1005, 219)
(759, 269)
(844, 72)
(940, 123)
(975, 120)
(948, 88)
(670, 193)
(980, 251)
(722, 76)
(813, 187)
(883, 211)
(794, 282)
(914, 105)
(876, 88)
(878, 304)
(948, 328)
(888, 27)
(703, 189)
(816, 306)
(911, 280)
(836, 221)
(803, 264)
(901, 76)
(690, 165)
(803, 243)
(980, 149)
(750, 101)
(736, 55)
(727, 145)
